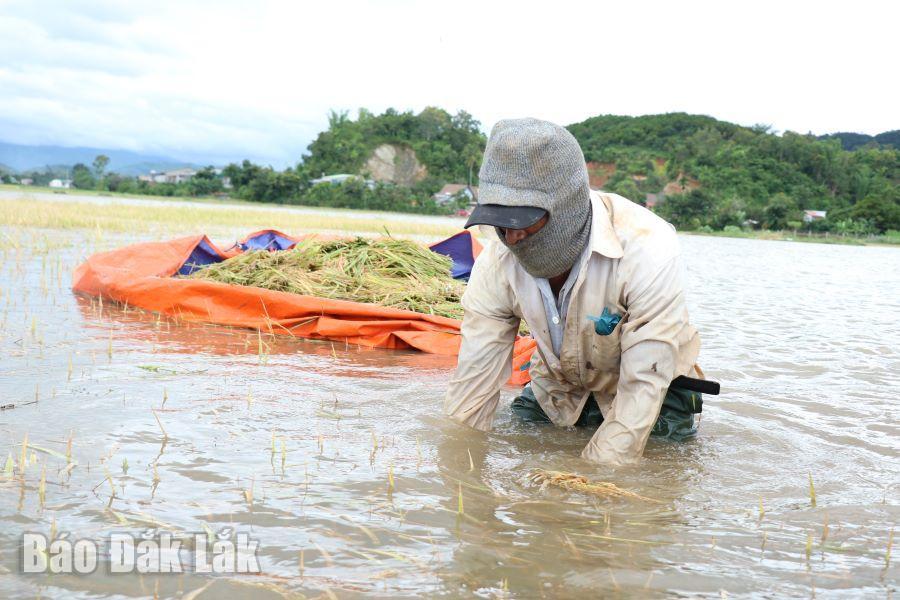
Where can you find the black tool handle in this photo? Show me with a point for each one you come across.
(702, 386)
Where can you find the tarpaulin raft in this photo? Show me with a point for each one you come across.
(144, 275)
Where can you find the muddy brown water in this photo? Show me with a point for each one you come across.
(805, 339)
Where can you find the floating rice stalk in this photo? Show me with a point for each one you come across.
(248, 495)
(611, 538)
(397, 556)
(194, 594)
(887, 554)
(387, 271)
(459, 502)
(50, 451)
(369, 533)
(272, 449)
(331, 595)
(23, 458)
(9, 467)
(578, 483)
(567, 541)
(762, 511)
(262, 349)
(812, 491)
(613, 579)
(42, 487)
(155, 482)
(163, 429)
(112, 486)
(329, 562)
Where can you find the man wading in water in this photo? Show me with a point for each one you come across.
(597, 278)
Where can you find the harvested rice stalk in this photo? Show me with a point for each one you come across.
(578, 483)
(388, 272)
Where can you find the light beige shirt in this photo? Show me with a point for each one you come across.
(634, 269)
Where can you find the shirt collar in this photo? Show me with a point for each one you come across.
(603, 237)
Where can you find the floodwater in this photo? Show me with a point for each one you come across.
(337, 461)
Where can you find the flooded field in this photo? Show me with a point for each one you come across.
(338, 462)
(119, 213)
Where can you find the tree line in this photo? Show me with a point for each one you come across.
(703, 173)
(726, 175)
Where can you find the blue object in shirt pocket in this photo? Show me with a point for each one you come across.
(606, 322)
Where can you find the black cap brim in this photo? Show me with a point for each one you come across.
(508, 217)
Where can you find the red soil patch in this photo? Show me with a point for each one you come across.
(599, 173)
(681, 185)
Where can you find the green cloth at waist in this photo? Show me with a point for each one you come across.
(675, 421)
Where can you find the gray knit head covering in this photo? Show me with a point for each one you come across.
(529, 162)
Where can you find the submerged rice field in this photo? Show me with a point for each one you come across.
(338, 462)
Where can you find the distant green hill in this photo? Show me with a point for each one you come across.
(403, 158)
(853, 141)
(716, 173)
(447, 145)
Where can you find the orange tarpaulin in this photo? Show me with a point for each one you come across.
(142, 275)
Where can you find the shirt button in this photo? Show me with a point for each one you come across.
(556, 320)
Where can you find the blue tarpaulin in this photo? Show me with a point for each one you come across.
(268, 240)
(202, 255)
(459, 249)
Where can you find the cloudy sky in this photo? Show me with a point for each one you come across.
(213, 81)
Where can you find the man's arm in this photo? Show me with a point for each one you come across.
(657, 341)
(485, 356)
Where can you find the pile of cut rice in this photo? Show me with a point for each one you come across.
(388, 272)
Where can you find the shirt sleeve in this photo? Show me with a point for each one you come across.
(656, 341)
(489, 330)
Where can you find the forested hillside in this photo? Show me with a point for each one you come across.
(718, 174)
(448, 145)
(852, 141)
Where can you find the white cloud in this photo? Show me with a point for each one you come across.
(224, 80)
